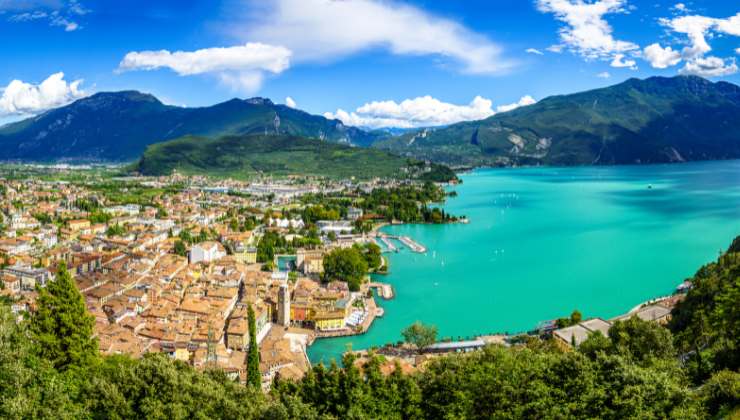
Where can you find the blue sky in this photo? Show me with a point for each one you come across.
(357, 60)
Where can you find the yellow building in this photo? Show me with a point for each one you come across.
(78, 225)
(328, 321)
(247, 256)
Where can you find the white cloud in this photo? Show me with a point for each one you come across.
(241, 67)
(290, 103)
(681, 8)
(737, 51)
(25, 98)
(710, 67)
(524, 101)
(62, 13)
(325, 30)
(604, 75)
(619, 62)
(424, 111)
(697, 29)
(586, 32)
(534, 51)
(661, 58)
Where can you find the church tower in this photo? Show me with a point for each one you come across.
(284, 305)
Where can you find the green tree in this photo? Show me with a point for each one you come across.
(61, 328)
(253, 354)
(345, 264)
(641, 340)
(371, 252)
(419, 335)
(180, 249)
(30, 388)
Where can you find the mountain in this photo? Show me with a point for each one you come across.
(243, 156)
(118, 126)
(654, 120)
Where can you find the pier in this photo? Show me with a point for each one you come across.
(388, 244)
(410, 243)
(415, 246)
(384, 290)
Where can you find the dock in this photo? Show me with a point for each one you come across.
(384, 290)
(388, 244)
(410, 243)
(415, 246)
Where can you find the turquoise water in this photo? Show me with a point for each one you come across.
(544, 241)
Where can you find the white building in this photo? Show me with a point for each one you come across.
(206, 252)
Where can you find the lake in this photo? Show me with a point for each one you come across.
(542, 242)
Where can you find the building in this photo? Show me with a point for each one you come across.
(206, 252)
(28, 277)
(353, 213)
(310, 262)
(329, 320)
(577, 334)
(245, 255)
(336, 226)
(78, 225)
(284, 305)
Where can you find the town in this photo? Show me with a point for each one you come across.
(172, 264)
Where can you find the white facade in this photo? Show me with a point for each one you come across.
(206, 252)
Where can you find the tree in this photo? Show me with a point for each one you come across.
(420, 335)
(61, 327)
(253, 356)
(345, 264)
(180, 248)
(641, 340)
(371, 252)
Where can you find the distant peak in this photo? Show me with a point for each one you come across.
(259, 101)
(130, 95)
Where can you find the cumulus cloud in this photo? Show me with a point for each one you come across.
(240, 67)
(524, 101)
(534, 51)
(586, 32)
(424, 111)
(21, 98)
(697, 29)
(710, 67)
(325, 30)
(661, 58)
(290, 103)
(604, 75)
(619, 62)
(737, 51)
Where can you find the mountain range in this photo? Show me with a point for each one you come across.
(117, 126)
(655, 120)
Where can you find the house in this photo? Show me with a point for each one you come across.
(206, 252)
(577, 334)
